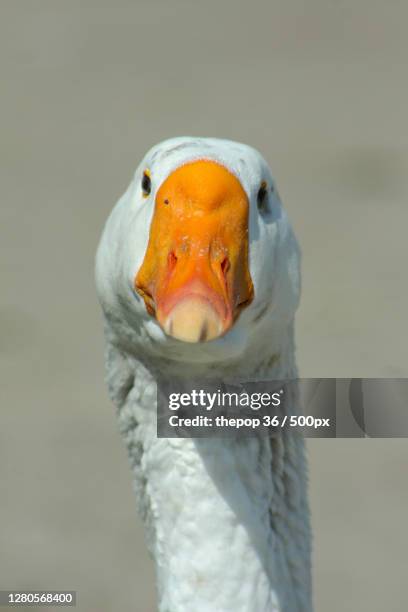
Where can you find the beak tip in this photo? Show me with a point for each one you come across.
(193, 320)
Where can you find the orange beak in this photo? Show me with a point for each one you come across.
(194, 277)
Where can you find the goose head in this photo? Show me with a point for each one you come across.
(198, 259)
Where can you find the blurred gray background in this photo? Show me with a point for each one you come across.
(321, 89)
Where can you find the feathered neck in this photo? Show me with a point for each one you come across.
(226, 519)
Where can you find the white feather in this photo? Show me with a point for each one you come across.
(227, 520)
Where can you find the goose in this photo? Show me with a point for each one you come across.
(198, 275)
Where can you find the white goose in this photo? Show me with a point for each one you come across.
(198, 273)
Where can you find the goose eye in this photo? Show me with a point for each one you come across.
(146, 183)
(262, 198)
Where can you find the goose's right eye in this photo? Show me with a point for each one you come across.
(146, 183)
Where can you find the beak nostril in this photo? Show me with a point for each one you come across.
(225, 266)
(171, 261)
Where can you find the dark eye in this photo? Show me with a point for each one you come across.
(146, 183)
(262, 198)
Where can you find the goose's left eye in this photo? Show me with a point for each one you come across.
(146, 183)
(262, 198)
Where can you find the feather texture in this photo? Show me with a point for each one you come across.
(227, 520)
